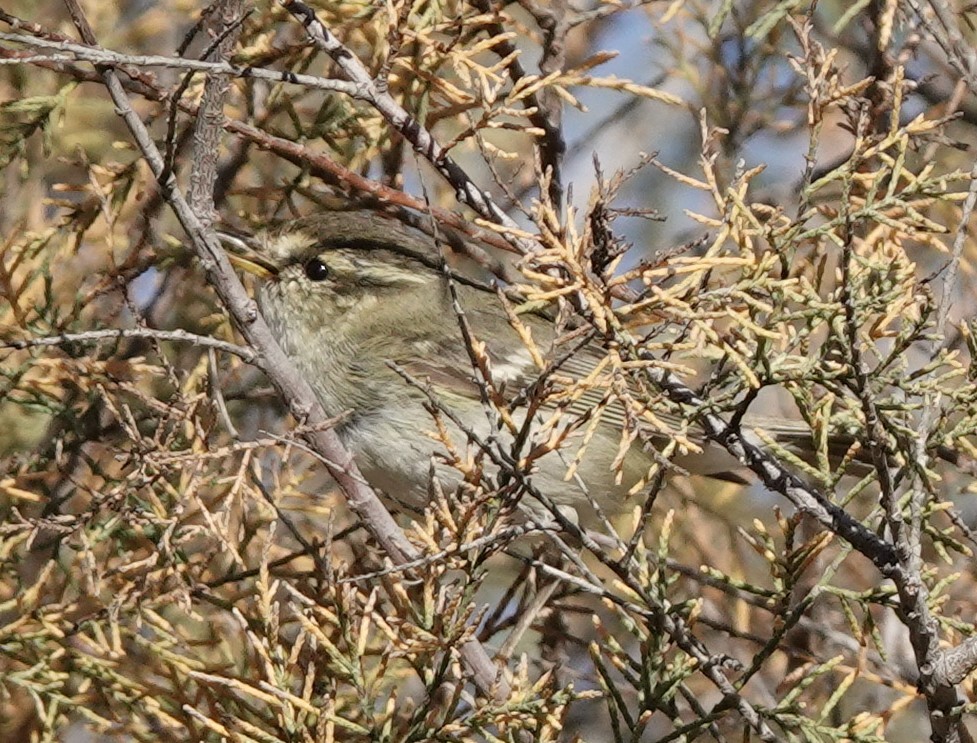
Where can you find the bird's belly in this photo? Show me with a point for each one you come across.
(397, 451)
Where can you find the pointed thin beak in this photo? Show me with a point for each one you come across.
(243, 253)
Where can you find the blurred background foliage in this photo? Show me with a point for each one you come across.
(175, 566)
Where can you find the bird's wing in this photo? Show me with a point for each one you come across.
(583, 386)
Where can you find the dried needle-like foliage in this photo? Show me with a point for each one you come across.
(786, 363)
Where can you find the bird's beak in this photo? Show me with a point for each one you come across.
(244, 254)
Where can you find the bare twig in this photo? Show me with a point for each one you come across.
(66, 51)
(244, 353)
(225, 21)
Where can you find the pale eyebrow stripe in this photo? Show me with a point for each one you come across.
(369, 244)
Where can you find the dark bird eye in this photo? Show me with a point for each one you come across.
(316, 270)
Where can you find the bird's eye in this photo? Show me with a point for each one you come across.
(316, 270)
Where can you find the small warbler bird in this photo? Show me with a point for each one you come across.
(385, 335)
